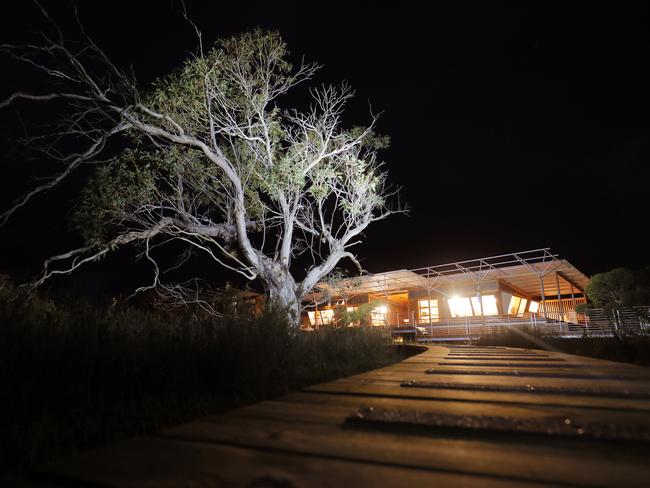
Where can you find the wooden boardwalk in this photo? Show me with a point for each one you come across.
(450, 416)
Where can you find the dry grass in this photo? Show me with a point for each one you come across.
(74, 376)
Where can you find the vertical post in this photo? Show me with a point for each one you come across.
(541, 286)
(573, 298)
(480, 301)
(408, 309)
(448, 318)
(559, 299)
(533, 321)
(387, 314)
(429, 308)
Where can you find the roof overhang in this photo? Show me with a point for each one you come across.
(528, 272)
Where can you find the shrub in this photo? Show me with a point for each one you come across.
(74, 376)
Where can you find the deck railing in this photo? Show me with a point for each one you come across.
(594, 322)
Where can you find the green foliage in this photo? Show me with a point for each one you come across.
(618, 288)
(74, 377)
(371, 139)
(358, 316)
(242, 73)
(129, 180)
(140, 177)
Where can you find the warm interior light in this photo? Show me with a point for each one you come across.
(533, 307)
(522, 306)
(378, 315)
(460, 307)
(513, 308)
(517, 305)
(489, 305)
(428, 311)
(321, 317)
(381, 309)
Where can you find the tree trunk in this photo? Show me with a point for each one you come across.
(281, 290)
(286, 301)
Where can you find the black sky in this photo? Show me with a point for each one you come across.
(514, 125)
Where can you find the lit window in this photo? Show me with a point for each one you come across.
(513, 308)
(460, 307)
(321, 317)
(534, 307)
(489, 305)
(522, 307)
(428, 311)
(378, 315)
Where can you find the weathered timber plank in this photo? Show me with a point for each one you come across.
(537, 387)
(160, 462)
(502, 358)
(392, 390)
(314, 401)
(411, 436)
(595, 467)
(528, 374)
(639, 388)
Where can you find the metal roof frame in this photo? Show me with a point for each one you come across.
(530, 271)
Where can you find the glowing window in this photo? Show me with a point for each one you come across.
(534, 307)
(522, 306)
(489, 305)
(513, 308)
(460, 307)
(428, 311)
(321, 317)
(378, 315)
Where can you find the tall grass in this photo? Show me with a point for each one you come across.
(73, 376)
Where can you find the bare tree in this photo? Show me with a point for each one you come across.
(210, 159)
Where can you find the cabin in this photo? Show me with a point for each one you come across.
(531, 286)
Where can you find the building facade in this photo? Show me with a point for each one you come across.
(534, 285)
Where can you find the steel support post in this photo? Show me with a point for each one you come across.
(541, 286)
(559, 298)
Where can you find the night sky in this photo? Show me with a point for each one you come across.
(514, 126)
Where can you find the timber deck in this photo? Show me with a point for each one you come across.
(451, 416)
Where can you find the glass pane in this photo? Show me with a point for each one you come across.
(321, 317)
(514, 305)
(428, 311)
(460, 307)
(522, 306)
(489, 305)
(378, 315)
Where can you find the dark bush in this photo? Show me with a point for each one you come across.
(74, 376)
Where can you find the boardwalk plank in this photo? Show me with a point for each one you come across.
(541, 463)
(374, 388)
(304, 438)
(159, 462)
